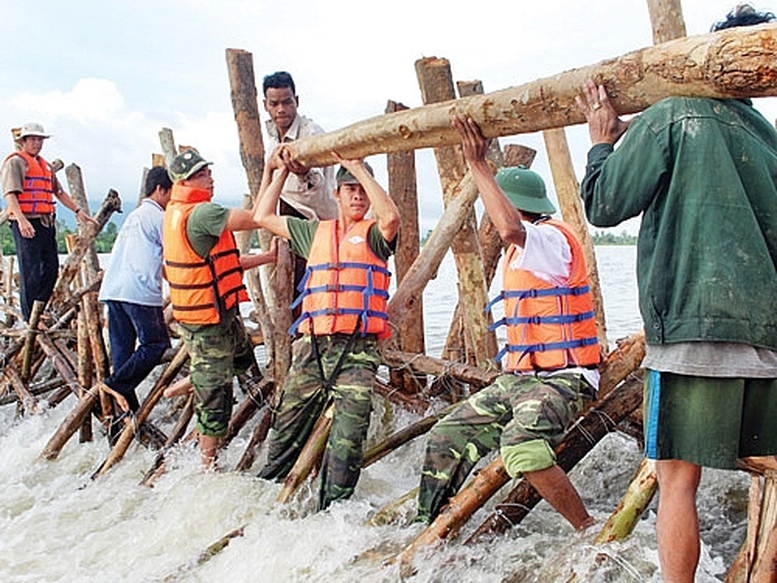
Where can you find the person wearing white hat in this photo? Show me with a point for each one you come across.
(29, 188)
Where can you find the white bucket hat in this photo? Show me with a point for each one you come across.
(32, 129)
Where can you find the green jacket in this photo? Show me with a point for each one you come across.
(703, 173)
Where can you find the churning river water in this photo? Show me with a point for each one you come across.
(57, 525)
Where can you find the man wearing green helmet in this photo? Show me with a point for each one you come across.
(551, 355)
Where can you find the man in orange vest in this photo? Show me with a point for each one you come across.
(29, 187)
(552, 350)
(205, 273)
(343, 316)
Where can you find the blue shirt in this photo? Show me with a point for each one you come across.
(134, 274)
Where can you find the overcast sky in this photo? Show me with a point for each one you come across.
(105, 76)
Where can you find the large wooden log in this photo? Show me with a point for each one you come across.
(240, 67)
(403, 188)
(75, 181)
(477, 341)
(734, 63)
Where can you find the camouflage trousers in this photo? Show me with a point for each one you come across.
(216, 354)
(305, 397)
(526, 416)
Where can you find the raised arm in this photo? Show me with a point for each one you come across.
(503, 214)
(266, 208)
(384, 210)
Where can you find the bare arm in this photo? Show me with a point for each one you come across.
(384, 210)
(504, 215)
(255, 260)
(266, 210)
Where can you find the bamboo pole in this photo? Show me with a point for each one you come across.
(624, 518)
(28, 401)
(568, 193)
(479, 343)
(70, 425)
(733, 63)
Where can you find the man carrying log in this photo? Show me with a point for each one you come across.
(307, 192)
(703, 174)
(343, 316)
(29, 188)
(132, 290)
(552, 350)
(205, 272)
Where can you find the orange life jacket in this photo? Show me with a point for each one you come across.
(345, 288)
(200, 289)
(37, 198)
(549, 327)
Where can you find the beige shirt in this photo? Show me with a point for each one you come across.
(311, 194)
(12, 175)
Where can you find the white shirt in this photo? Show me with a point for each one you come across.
(134, 273)
(547, 255)
(312, 194)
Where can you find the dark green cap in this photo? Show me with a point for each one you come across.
(185, 164)
(345, 177)
(525, 189)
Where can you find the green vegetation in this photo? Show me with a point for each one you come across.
(103, 242)
(606, 238)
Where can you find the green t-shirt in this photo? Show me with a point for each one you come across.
(205, 225)
(203, 229)
(302, 232)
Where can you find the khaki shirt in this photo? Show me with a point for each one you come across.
(311, 195)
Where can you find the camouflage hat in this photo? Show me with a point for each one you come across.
(185, 164)
(344, 176)
(525, 189)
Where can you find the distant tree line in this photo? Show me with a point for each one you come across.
(608, 238)
(599, 237)
(103, 242)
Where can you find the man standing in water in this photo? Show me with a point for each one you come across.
(132, 290)
(29, 187)
(343, 316)
(552, 350)
(703, 174)
(205, 272)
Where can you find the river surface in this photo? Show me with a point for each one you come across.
(56, 525)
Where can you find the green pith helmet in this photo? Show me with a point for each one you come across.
(185, 164)
(344, 175)
(525, 189)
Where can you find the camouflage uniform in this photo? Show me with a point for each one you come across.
(217, 352)
(526, 416)
(305, 397)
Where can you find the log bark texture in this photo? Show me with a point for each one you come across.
(734, 63)
(404, 191)
(476, 340)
